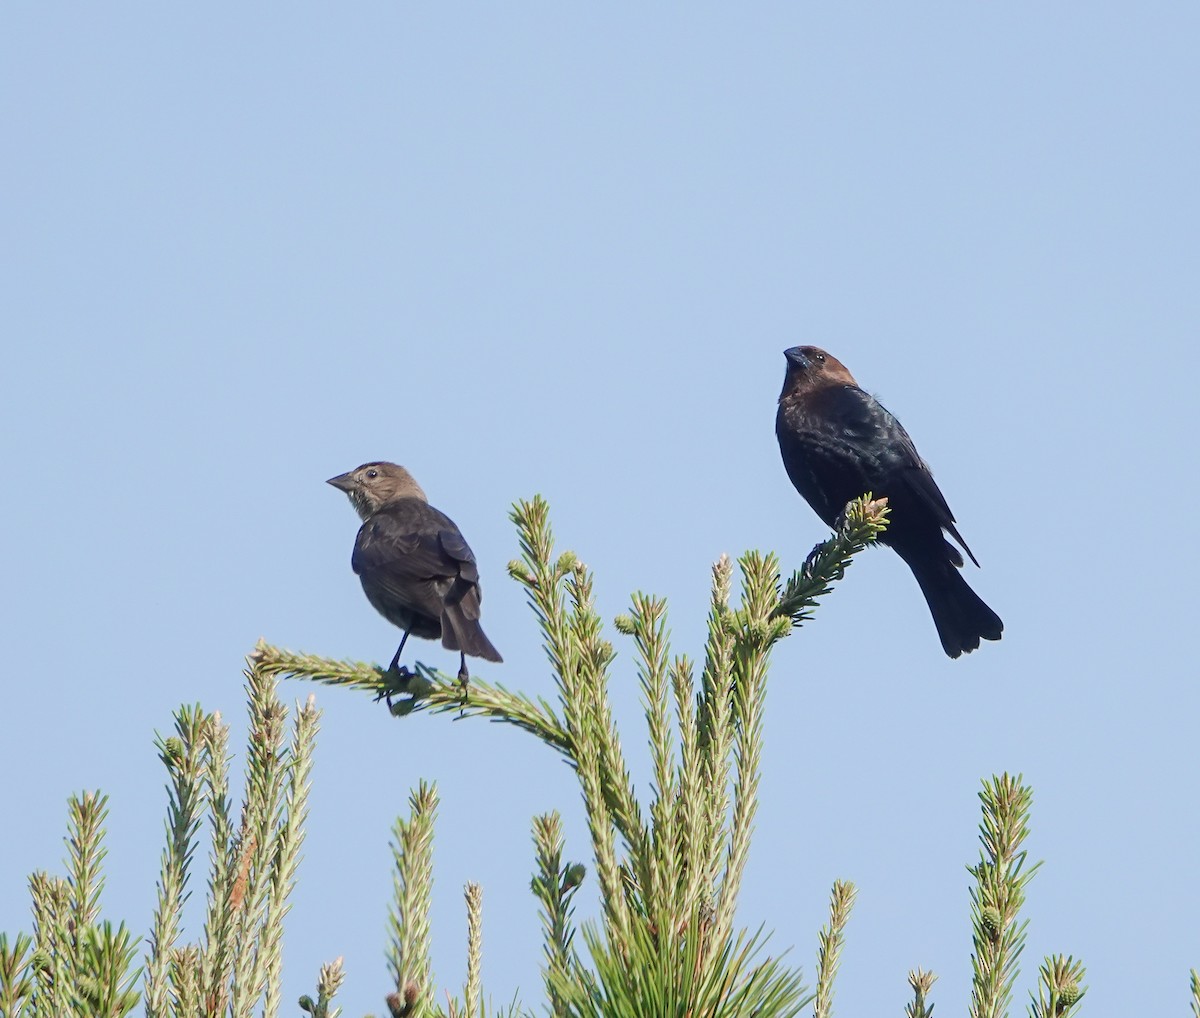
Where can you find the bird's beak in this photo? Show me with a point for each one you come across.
(794, 355)
(343, 482)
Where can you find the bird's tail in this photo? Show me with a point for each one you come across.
(461, 630)
(961, 616)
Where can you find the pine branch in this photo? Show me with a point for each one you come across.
(831, 939)
(329, 981)
(216, 959)
(427, 690)
(560, 592)
(714, 730)
(284, 850)
(54, 959)
(85, 846)
(657, 866)
(655, 974)
(1059, 990)
(862, 521)
(183, 756)
(16, 982)
(266, 774)
(409, 950)
(998, 894)
(757, 632)
(921, 983)
(187, 975)
(107, 976)
(473, 991)
(554, 885)
(693, 834)
(599, 743)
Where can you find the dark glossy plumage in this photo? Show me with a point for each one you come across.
(416, 568)
(839, 442)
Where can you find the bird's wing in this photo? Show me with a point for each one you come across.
(382, 546)
(918, 476)
(465, 591)
(415, 552)
(456, 548)
(857, 439)
(398, 548)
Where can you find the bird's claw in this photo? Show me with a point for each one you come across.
(464, 680)
(397, 680)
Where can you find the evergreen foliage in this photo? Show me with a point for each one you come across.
(668, 869)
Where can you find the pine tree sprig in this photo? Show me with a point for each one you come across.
(16, 982)
(594, 725)
(55, 962)
(714, 730)
(266, 775)
(1060, 988)
(107, 977)
(921, 983)
(216, 958)
(409, 944)
(659, 972)
(690, 820)
(830, 941)
(329, 981)
(78, 965)
(85, 854)
(999, 893)
(756, 632)
(427, 690)
(284, 849)
(186, 970)
(862, 521)
(659, 868)
(554, 885)
(183, 757)
(473, 990)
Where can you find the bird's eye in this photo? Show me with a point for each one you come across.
(372, 473)
(820, 358)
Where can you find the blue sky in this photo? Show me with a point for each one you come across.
(560, 249)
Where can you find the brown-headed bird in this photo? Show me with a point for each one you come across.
(839, 442)
(415, 566)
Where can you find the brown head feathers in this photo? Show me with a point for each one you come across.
(811, 368)
(374, 485)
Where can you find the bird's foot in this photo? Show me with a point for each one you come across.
(397, 680)
(464, 680)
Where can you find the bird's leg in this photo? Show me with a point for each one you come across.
(464, 677)
(399, 651)
(403, 674)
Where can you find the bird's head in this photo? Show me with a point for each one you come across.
(810, 367)
(374, 485)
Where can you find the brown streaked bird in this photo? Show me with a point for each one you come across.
(415, 567)
(839, 442)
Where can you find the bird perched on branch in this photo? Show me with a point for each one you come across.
(415, 566)
(838, 442)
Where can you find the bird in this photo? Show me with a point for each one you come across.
(416, 568)
(838, 443)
